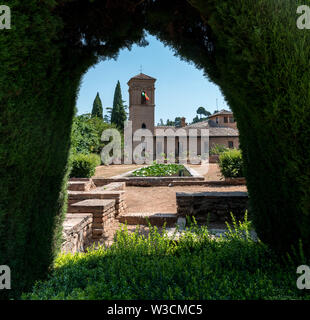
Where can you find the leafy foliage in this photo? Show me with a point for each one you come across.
(203, 112)
(86, 134)
(161, 170)
(231, 164)
(84, 165)
(218, 149)
(156, 267)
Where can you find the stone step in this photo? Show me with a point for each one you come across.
(94, 206)
(109, 184)
(72, 222)
(77, 232)
(80, 185)
(155, 219)
(98, 193)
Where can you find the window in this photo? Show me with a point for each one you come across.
(225, 120)
(231, 120)
(230, 144)
(143, 126)
(217, 120)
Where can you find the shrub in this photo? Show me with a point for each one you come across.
(84, 165)
(153, 267)
(231, 164)
(86, 134)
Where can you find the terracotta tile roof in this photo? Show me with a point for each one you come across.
(214, 130)
(222, 112)
(142, 76)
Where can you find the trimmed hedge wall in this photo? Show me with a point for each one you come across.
(41, 65)
(251, 48)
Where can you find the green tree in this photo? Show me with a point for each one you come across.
(97, 107)
(196, 119)
(177, 121)
(118, 114)
(202, 111)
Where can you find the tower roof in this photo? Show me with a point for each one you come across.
(222, 112)
(142, 76)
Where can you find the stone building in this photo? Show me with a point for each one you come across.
(221, 126)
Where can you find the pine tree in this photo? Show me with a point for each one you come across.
(118, 114)
(97, 108)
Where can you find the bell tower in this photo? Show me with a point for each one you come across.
(142, 102)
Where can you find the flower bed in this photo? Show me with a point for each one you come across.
(162, 170)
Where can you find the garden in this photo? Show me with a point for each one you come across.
(162, 170)
(255, 54)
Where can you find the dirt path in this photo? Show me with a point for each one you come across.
(211, 173)
(114, 170)
(163, 199)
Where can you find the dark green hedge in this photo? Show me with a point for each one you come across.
(250, 48)
(41, 64)
(259, 58)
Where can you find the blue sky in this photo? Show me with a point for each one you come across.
(180, 87)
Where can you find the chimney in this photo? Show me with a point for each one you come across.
(183, 124)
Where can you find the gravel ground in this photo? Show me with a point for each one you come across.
(163, 199)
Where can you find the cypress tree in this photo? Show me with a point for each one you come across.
(97, 108)
(118, 115)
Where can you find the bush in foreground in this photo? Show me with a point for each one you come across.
(155, 267)
(84, 165)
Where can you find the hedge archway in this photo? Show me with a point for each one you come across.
(250, 48)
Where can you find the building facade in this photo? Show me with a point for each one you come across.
(221, 126)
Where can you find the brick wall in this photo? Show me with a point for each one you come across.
(77, 232)
(217, 205)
